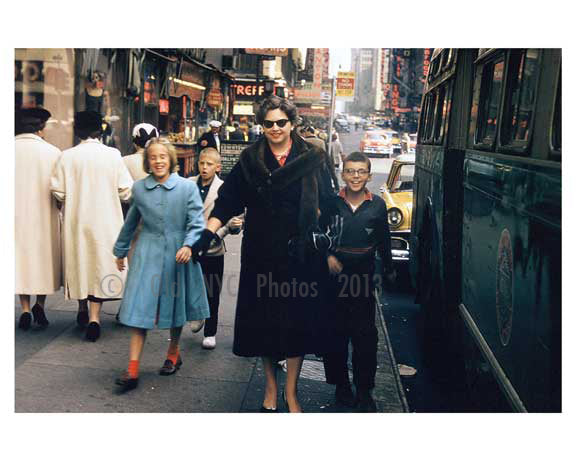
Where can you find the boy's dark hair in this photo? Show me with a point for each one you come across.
(357, 157)
(275, 102)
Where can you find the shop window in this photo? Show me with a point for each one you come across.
(490, 95)
(520, 99)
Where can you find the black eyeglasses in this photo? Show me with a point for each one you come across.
(360, 172)
(270, 123)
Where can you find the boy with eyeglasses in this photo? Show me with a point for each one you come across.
(352, 265)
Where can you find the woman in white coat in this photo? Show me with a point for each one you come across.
(37, 233)
(91, 179)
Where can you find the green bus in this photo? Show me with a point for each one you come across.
(486, 228)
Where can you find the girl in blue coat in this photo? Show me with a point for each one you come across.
(164, 288)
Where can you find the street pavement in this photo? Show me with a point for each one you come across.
(57, 370)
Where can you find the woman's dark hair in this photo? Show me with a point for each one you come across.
(23, 128)
(85, 133)
(358, 157)
(275, 102)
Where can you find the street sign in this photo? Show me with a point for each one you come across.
(345, 85)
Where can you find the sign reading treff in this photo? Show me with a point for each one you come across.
(267, 51)
(345, 85)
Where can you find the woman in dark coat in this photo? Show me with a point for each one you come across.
(280, 180)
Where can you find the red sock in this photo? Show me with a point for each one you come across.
(133, 368)
(173, 353)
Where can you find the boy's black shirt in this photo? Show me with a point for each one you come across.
(365, 231)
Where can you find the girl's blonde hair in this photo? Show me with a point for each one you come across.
(169, 148)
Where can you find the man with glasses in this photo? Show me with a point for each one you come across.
(282, 182)
(352, 264)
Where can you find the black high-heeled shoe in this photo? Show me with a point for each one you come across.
(39, 315)
(82, 319)
(263, 409)
(93, 331)
(25, 321)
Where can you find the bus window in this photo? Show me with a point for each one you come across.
(557, 122)
(521, 97)
(490, 94)
(442, 112)
(431, 109)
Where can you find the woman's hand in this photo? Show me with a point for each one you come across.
(120, 264)
(183, 255)
(334, 266)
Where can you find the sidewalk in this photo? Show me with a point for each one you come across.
(58, 371)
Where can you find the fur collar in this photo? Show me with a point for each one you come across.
(308, 158)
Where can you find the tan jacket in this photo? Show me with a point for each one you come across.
(217, 248)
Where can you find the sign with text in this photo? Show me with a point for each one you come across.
(230, 153)
(267, 51)
(247, 90)
(345, 85)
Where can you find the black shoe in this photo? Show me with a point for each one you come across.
(25, 321)
(39, 315)
(169, 368)
(93, 331)
(344, 395)
(126, 383)
(82, 319)
(263, 409)
(364, 402)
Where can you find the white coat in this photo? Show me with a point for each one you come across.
(134, 162)
(91, 179)
(37, 229)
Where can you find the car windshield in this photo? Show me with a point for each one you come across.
(404, 179)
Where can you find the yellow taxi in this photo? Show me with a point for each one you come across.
(397, 193)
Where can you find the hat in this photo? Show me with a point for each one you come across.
(143, 132)
(215, 124)
(88, 120)
(33, 115)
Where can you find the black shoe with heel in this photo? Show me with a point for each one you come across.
(39, 315)
(344, 395)
(25, 321)
(93, 331)
(82, 319)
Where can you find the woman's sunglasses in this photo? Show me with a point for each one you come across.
(281, 123)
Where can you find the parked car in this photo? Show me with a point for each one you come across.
(397, 193)
(377, 143)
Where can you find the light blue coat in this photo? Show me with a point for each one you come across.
(160, 292)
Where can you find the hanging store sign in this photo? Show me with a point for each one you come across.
(345, 85)
(247, 90)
